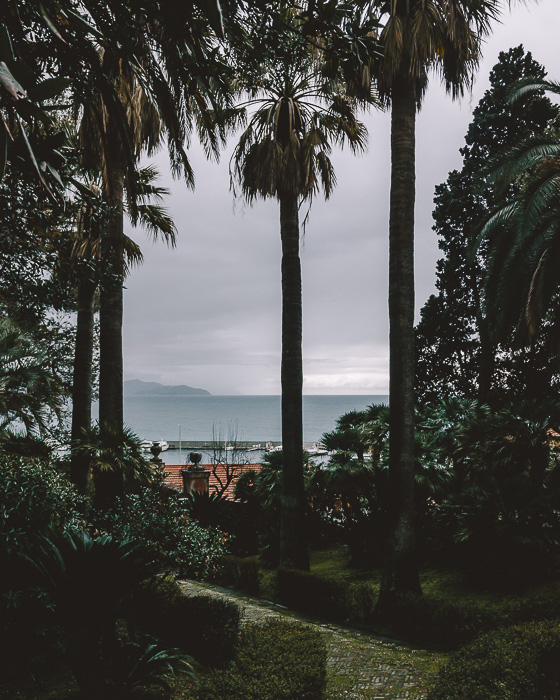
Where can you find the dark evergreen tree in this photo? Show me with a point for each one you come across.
(456, 352)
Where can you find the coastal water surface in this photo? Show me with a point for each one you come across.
(250, 418)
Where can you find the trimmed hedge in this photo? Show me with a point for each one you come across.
(326, 596)
(515, 663)
(425, 619)
(276, 660)
(241, 573)
(451, 624)
(205, 627)
(439, 621)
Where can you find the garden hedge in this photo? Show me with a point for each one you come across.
(520, 662)
(276, 660)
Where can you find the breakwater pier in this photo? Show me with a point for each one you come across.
(240, 445)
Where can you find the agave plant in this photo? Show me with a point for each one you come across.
(88, 581)
(131, 666)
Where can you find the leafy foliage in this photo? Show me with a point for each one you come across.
(518, 663)
(276, 660)
(295, 116)
(27, 137)
(119, 452)
(35, 498)
(204, 626)
(160, 520)
(89, 582)
(261, 493)
(487, 488)
(30, 395)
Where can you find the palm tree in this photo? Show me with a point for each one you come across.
(108, 149)
(284, 153)
(84, 262)
(417, 35)
(524, 231)
(137, 89)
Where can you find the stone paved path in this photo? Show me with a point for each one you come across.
(360, 665)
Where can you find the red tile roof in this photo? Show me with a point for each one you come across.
(217, 471)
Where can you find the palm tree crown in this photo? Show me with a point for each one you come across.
(285, 149)
(423, 35)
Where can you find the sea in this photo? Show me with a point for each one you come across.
(253, 419)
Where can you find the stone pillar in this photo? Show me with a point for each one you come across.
(195, 478)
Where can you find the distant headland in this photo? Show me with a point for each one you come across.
(136, 387)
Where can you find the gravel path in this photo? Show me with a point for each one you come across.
(360, 665)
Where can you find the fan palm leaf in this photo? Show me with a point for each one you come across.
(524, 234)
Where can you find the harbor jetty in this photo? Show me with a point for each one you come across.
(239, 445)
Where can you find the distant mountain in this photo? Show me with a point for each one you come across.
(136, 387)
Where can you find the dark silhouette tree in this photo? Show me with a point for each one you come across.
(456, 352)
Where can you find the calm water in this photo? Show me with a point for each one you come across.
(251, 418)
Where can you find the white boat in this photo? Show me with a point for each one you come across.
(316, 449)
(273, 448)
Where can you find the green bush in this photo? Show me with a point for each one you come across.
(515, 663)
(452, 623)
(30, 639)
(207, 628)
(35, 498)
(439, 621)
(331, 597)
(242, 573)
(160, 521)
(276, 660)
(425, 619)
(233, 517)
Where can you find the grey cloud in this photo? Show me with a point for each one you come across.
(208, 313)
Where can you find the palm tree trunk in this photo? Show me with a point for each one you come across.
(111, 415)
(400, 572)
(82, 380)
(293, 534)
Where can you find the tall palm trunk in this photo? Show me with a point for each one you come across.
(82, 380)
(401, 568)
(293, 534)
(111, 415)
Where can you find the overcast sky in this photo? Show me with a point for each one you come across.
(207, 314)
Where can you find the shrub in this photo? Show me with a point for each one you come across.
(331, 597)
(30, 639)
(438, 621)
(205, 627)
(515, 663)
(276, 660)
(35, 497)
(89, 582)
(240, 573)
(452, 623)
(234, 518)
(160, 521)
